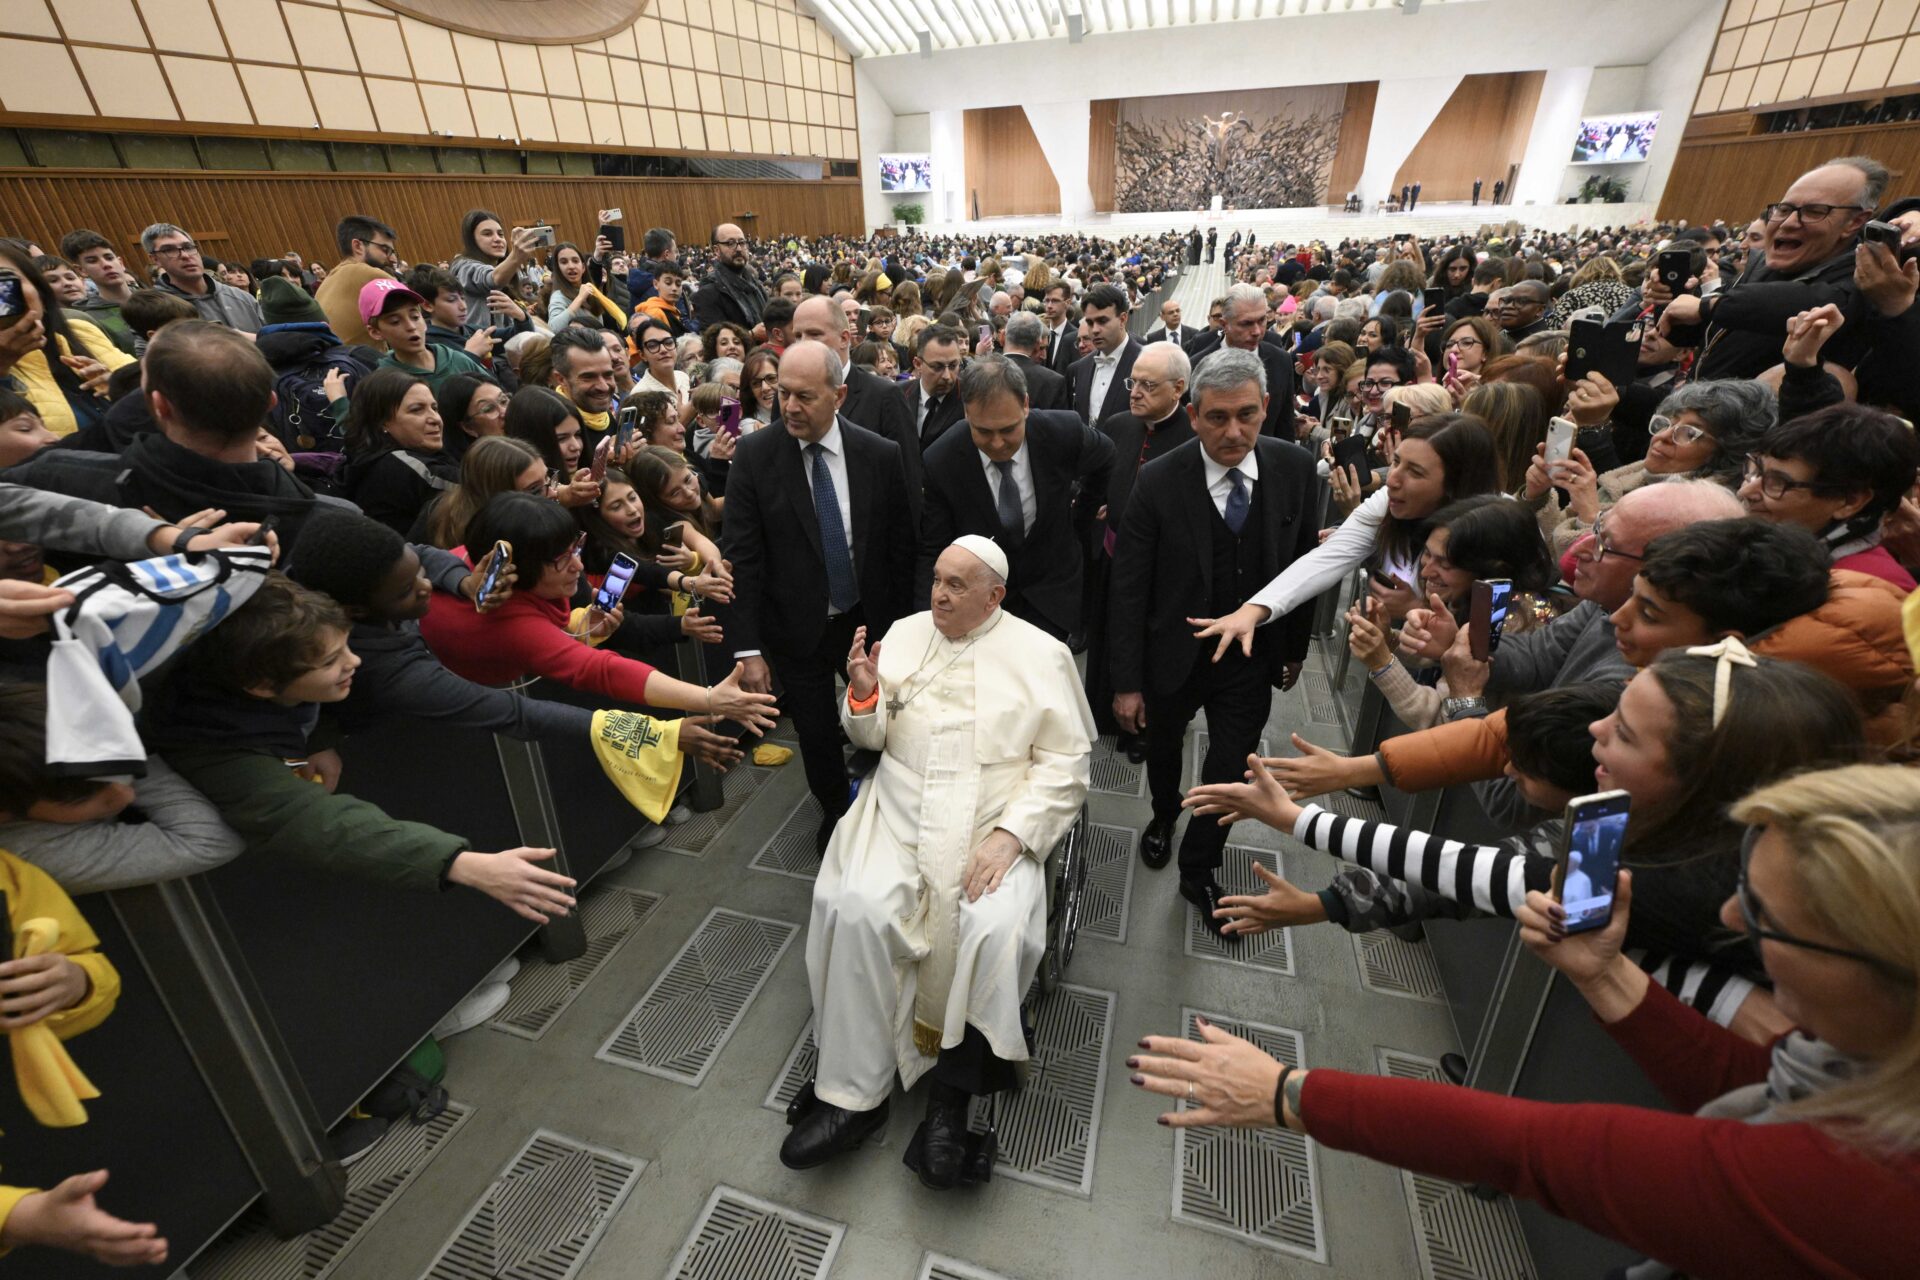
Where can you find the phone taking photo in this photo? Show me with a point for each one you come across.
(13, 298)
(623, 426)
(1351, 451)
(1561, 433)
(602, 454)
(730, 416)
(502, 561)
(1487, 615)
(613, 588)
(674, 535)
(1432, 300)
(1674, 266)
(1589, 868)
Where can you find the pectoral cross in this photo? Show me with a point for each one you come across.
(894, 706)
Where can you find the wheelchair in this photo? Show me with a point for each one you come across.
(1066, 873)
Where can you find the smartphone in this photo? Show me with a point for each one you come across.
(1674, 266)
(730, 416)
(1433, 300)
(267, 526)
(1561, 433)
(1487, 615)
(1351, 451)
(13, 299)
(602, 454)
(616, 236)
(624, 425)
(674, 535)
(1609, 350)
(1878, 232)
(543, 237)
(1453, 363)
(1399, 416)
(1589, 868)
(613, 589)
(502, 561)
(983, 334)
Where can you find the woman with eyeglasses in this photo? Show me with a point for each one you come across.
(1800, 1157)
(1466, 346)
(536, 632)
(655, 343)
(759, 388)
(472, 407)
(1703, 431)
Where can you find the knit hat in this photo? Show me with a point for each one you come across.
(284, 302)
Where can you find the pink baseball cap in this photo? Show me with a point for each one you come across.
(377, 297)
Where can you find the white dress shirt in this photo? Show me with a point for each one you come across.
(1219, 486)
(1105, 365)
(1022, 479)
(835, 445)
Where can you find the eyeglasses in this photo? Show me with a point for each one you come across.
(1601, 548)
(1682, 432)
(1776, 484)
(767, 380)
(175, 250)
(1378, 384)
(489, 409)
(731, 244)
(384, 248)
(1781, 211)
(1147, 385)
(657, 344)
(1458, 344)
(1752, 911)
(566, 557)
(944, 366)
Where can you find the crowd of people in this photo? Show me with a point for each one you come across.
(892, 485)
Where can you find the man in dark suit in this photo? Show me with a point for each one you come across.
(872, 401)
(1406, 196)
(1476, 191)
(1193, 248)
(1011, 474)
(932, 399)
(1063, 330)
(1026, 340)
(1203, 525)
(1213, 239)
(1154, 425)
(1412, 203)
(1499, 190)
(1100, 380)
(731, 291)
(1204, 340)
(822, 539)
(1246, 330)
(1170, 329)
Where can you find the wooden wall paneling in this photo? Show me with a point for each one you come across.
(1101, 125)
(1350, 155)
(1006, 169)
(249, 215)
(1734, 178)
(1479, 133)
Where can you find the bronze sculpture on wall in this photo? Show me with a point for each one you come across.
(1279, 162)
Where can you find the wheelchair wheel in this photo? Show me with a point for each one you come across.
(1069, 899)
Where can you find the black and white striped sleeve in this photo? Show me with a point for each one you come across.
(1707, 985)
(1489, 877)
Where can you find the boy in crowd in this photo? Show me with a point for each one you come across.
(112, 283)
(664, 305)
(396, 315)
(69, 988)
(239, 715)
(447, 327)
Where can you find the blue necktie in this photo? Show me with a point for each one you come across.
(1012, 519)
(1237, 504)
(843, 589)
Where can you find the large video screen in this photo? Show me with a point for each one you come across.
(907, 172)
(1615, 139)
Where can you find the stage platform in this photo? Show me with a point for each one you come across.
(1436, 221)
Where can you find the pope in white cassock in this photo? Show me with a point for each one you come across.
(929, 913)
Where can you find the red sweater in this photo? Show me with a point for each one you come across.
(526, 636)
(1709, 1197)
(1879, 562)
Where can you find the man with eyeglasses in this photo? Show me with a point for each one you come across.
(1245, 329)
(1523, 309)
(368, 250)
(932, 400)
(184, 275)
(731, 291)
(1806, 261)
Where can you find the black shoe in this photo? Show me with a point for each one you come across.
(826, 1131)
(942, 1143)
(1204, 894)
(1136, 747)
(356, 1136)
(1156, 843)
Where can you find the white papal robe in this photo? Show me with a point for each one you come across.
(989, 730)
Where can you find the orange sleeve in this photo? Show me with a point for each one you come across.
(1447, 754)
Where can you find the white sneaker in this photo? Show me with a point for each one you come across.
(647, 838)
(677, 815)
(487, 1000)
(508, 968)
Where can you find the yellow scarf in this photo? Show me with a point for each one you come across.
(50, 1084)
(641, 756)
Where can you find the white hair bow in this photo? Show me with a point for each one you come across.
(1728, 652)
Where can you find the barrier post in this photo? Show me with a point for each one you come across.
(525, 771)
(1513, 1014)
(705, 795)
(183, 941)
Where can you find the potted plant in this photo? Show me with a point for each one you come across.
(910, 214)
(1600, 189)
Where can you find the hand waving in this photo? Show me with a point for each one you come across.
(863, 666)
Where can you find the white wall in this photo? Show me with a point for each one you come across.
(1401, 114)
(1543, 166)
(1672, 81)
(1062, 130)
(878, 133)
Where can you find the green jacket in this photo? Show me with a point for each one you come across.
(282, 815)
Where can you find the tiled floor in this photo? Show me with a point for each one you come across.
(622, 1118)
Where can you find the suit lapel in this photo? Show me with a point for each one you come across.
(1046, 495)
(860, 500)
(796, 484)
(1198, 503)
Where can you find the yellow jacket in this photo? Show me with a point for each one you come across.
(36, 379)
(31, 893)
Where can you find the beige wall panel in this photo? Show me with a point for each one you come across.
(450, 111)
(1854, 21)
(535, 116)
(492, 113)
(28, 18)
(1906, 68)
(603, 124)
(637, 124)
(377, 43)
(32, 80)
(1835, 70)
(278, 94)
(596, 77)
(1894, 18)
(666, 128)
(319, 37)
(396, 104)
(1798, 82)
(1766, 83)
(563, 77)
(480, 62)
(1786, 36)
(125, 83)
(181, 26)
(693, 132)
(570, 120)
(431, 49)
(113, 20)
(1818, 33)
(1876, 60)
(208, 90)
(341, 101)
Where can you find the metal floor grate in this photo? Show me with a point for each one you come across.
(249, 1250)
(1197, 754)
(542, 991)
(799, 1067)
(742, 1237)
(1348, 805)
(789, 850)
(693, 1008)
(1260, 1185)
(937, 1266)
(1457, 1235)
(738, 785)
(1113, 774)
(1273, 950)
(1110, 862)
(1321, 708)
(542, 1216)
(1050, 1127)
(1393, 966)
